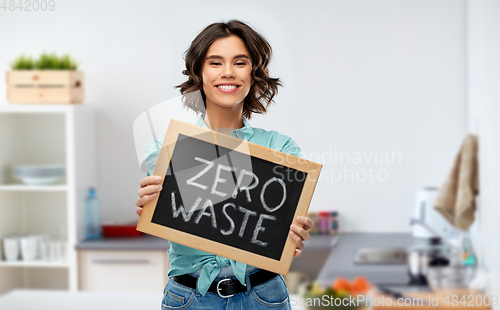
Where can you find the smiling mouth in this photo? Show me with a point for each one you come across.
(227, 87)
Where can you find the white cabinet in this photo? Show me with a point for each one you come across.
(37, 135)
(125, 271)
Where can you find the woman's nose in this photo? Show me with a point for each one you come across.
(227, 71)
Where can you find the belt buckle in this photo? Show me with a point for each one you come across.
(219, 289)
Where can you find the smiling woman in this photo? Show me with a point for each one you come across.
(226, 75)
(227, 64)
(232, 50)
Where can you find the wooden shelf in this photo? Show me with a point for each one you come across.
(37, 264)
(37, 108)
(33, 188)
(46, 133)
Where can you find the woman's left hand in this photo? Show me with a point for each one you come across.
(300, 234)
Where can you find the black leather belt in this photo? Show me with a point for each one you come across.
(227, 287)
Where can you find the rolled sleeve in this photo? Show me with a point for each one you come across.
(291, 148)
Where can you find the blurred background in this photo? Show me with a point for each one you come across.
(382, 93)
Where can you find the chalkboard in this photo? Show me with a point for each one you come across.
(229, 197)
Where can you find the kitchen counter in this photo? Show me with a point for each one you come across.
(320, 242)
(59, 300)
(142, 243)
(337, 260)
(340, 261)
(316, 251)
(151, 243)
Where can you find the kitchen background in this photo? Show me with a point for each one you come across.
(365, 79)
(367, 76)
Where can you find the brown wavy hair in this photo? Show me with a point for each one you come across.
(263, 88)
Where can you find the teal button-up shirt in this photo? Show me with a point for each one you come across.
(183, 259)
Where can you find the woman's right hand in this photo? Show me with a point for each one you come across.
(150, 187)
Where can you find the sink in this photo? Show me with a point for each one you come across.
(381, 256)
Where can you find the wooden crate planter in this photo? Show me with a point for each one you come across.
(45, 86)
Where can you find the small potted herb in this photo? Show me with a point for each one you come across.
(47, 79)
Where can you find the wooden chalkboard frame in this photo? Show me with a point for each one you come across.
(177, 127)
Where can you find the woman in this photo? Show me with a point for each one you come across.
(227, 63)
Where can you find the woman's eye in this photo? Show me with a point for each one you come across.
(218, 63)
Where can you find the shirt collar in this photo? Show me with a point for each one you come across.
(244, 133)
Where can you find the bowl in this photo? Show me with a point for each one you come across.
(38, 174)
(450, 277)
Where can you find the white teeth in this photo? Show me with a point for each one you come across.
(226, 87)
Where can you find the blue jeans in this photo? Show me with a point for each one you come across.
(272, 294)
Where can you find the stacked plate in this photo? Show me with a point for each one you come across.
(38, 174)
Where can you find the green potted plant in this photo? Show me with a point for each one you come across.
(47, 79)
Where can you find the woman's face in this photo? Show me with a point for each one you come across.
(227, 73)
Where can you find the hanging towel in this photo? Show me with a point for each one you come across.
(456, 198)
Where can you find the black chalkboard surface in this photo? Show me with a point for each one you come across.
(228, 196)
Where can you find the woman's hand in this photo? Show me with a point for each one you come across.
(150, 187)
(300, 234)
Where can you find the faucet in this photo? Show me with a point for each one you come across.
(434, 240)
